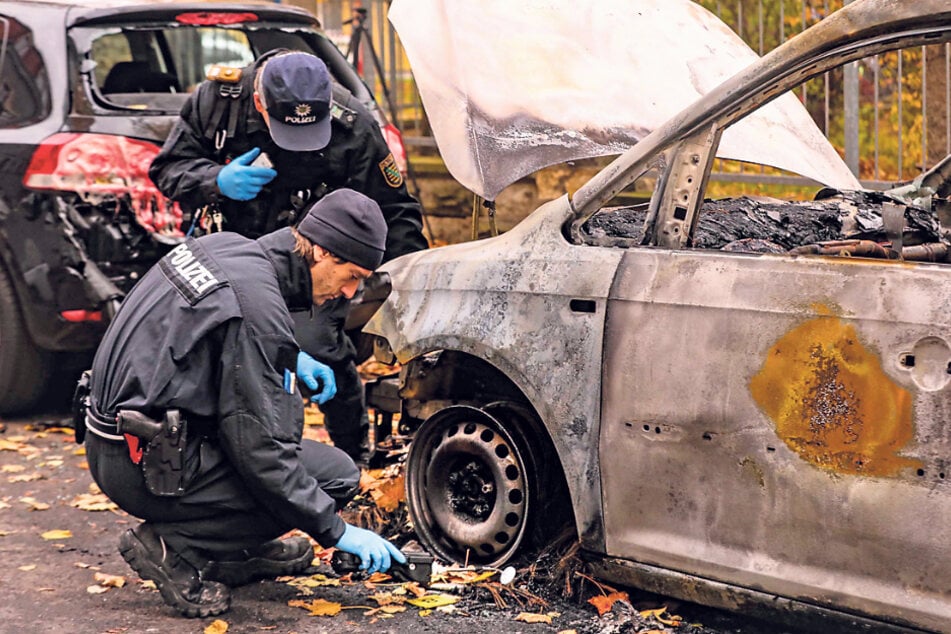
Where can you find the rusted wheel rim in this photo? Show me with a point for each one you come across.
(468, 487)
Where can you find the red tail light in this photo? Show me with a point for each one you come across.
(394, 140)
(99, 165)
(77, 316)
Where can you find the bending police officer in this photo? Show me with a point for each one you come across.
(317, 138)
(199, 369)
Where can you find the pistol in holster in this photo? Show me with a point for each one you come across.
(163, 449)
(79, 405)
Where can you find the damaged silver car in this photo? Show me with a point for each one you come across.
(743, 403)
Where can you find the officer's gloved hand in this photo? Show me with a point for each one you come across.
(375, 553)
(239, 180)
(310, 371)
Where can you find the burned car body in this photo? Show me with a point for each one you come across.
(756, 427)
(89, 91)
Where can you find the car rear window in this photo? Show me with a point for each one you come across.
(155, 66)
(24, 84)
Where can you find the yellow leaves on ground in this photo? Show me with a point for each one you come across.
(109, 581)
(432, 601)
(604, 603)
(661, 615)
(27, 568)
(463, 575)
(304, 584)
(12, 468)
(27, 477)
(34, 504)
(12, 445)
(93, 502)
(57, 534)
(530, 617)
(317, 607)
(217, 627)
(387, 487)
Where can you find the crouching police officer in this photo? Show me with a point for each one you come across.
(194, 419)
(316, 138)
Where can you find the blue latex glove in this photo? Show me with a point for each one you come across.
(239, 180)
(310, 371)
(375, 553)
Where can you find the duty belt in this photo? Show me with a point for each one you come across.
(102, 425)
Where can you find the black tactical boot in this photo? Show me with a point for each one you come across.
(178, 582)
(269, 560)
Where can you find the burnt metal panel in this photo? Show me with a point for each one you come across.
(781, 422)
(508, 300)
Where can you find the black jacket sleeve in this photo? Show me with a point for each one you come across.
(370, 162)
(260, 430)
(185, 169)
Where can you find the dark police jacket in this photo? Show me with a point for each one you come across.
(208, 331)
(357, 157)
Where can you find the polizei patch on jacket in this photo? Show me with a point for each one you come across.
(189, 268)
(391, 172)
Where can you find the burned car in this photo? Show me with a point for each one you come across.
(751, 415)
(89, 89)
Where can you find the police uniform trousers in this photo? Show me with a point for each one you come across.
(216, 515)
(321, 335)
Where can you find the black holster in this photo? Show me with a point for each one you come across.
(79, 405)
(163, 449)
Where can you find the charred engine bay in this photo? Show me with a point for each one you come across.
(835, 223)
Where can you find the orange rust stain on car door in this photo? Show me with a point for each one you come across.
(832, 403)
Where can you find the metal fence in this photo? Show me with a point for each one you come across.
(889, 115)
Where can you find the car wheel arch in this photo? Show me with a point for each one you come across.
(443, 378)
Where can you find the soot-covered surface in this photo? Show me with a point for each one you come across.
(768, 225)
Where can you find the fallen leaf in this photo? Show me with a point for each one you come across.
(317, 607)
(425, 612)
(389, 493)
(57, 534)
(34, 505)
(12, 468)
(431, 601)
(110, 581)
(414, 588)
(80, 451)
(567, 631)
(27, 477)
(217, 627)
(313, 581)
(4, 505)
(93, 502)
(27, 568)
(148, 583)
(51, 463)
(379, 577)
(96, 589)
(387, 598)
(10, 445)
(659, 614)
(385, 611)
(528, 617)
(605, 603)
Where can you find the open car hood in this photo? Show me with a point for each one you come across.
(512, 88)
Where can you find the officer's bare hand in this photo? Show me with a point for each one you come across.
(316, 375)
(239, 180)
(375, 553)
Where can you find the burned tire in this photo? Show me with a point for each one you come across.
(24, 368)
(474, 483)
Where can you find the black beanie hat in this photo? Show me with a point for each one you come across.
(349, 225)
